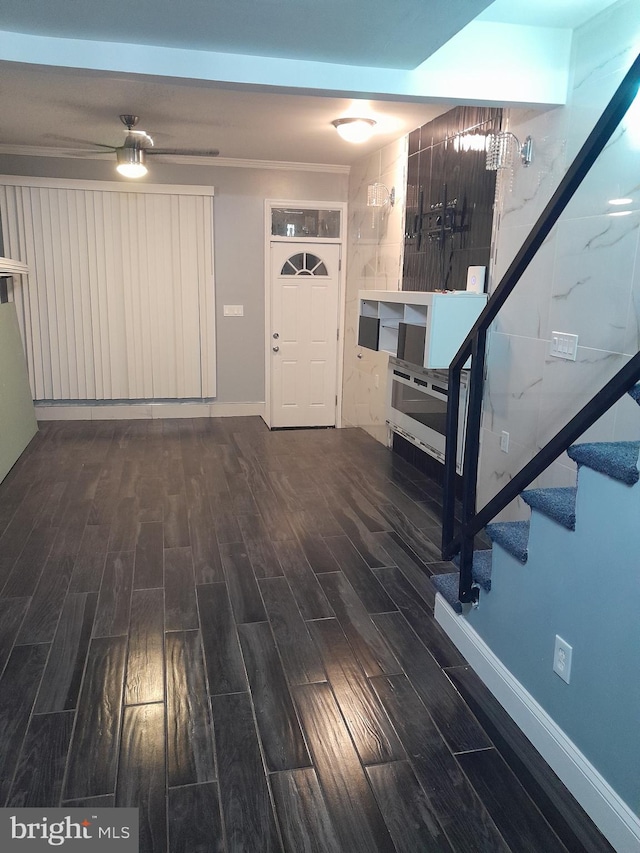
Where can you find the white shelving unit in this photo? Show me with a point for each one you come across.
(430, 326)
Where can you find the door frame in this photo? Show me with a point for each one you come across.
(342, 278)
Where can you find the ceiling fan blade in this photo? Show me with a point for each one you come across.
(187, 152)
(73, 139)
(89, 153)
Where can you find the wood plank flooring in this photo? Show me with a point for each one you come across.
(232, 630)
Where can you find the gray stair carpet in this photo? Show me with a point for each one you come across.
(617, 459)
(512, 535)
(447, 585)
(556, 503)
(480, 568)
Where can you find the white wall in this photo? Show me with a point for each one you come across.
(585, 279)
(374, 262)
(239, 244)
(17, 417)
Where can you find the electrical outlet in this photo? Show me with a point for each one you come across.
(562, 654)
(504, 441)
(376, 380)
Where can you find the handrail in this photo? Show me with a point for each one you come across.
(599, 404)
(474, 345)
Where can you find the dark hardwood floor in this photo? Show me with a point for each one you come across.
(232, 630)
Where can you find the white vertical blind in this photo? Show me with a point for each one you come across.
(119, 303)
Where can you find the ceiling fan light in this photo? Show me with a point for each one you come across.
(354, 129)
(131, 162)
(132, 170)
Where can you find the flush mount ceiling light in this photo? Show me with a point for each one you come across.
(131, 161)
(354, 129)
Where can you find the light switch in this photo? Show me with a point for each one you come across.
(233, 310)
(564, 345)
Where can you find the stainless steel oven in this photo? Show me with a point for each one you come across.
(417, 407)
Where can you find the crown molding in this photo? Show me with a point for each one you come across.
(185, 160)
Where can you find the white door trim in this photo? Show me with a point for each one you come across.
(322, 205)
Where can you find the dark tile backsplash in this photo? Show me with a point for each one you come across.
(450, 196)
(414, 141)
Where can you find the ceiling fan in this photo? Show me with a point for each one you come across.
(138, 144)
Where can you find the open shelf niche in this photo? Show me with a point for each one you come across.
(422, 328)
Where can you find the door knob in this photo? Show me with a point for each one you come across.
(276, 335)
(276, 349)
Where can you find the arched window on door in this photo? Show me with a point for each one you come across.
(303, 263)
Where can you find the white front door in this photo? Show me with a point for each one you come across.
(303, 345)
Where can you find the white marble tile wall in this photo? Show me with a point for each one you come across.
(585, 279)
(374, 262)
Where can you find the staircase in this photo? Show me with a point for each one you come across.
(617, 460)
(568, 576)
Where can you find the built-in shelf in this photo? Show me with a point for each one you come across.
(422, 328)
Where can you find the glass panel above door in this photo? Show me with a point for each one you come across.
(297, 222)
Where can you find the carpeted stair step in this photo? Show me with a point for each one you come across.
(635, 393)
(513, 536)
(558, 504)
(617, 459)
(447, 585)
(480, 568)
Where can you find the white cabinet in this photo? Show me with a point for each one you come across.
(421, 328)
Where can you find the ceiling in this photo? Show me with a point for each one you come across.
(49, 108)
(397, 34)
(68, 110)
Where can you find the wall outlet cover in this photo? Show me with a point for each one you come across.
(562, 654)
(233, 310)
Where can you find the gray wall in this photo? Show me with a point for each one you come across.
(583, 586)
(239, 244)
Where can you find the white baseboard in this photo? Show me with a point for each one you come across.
(611, 815)
(236, 410)
(131, 411)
